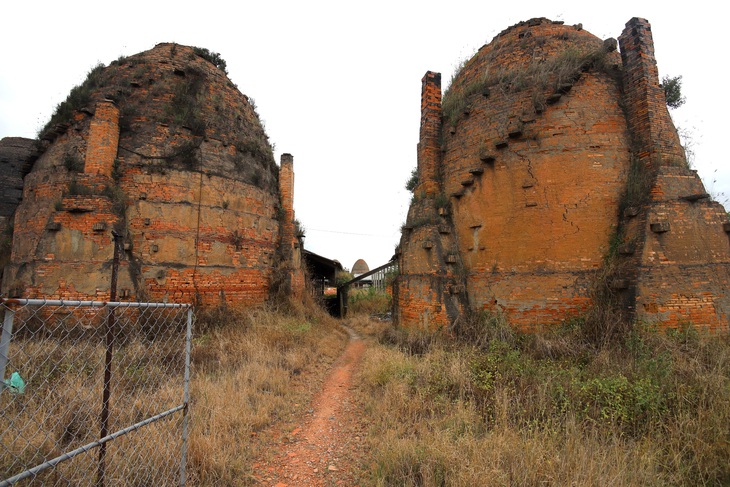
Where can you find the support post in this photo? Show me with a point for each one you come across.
(110, 335)
(186, 399)
(7, 336)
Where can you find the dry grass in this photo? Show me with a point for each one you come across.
(249, 369)
(249, 373)
(538, 78)
(59, 410)
(548, 409)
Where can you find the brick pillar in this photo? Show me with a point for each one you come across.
(103, 142)
(286, 189)
(429, 148)
(646, 108)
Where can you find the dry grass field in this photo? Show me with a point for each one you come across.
(250, 370)
(484, 406)
(500, 408)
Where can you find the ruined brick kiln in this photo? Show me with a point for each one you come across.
(164, 149)
(552, 174)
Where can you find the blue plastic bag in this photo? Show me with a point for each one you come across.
(16, 384)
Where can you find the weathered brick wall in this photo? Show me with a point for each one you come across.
(192, 188)
(684, 269)
(655, 137)
(554, 156)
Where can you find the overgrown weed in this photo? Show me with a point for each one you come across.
(539, 78)
(649, 409)
(246, 365)
(369, 301)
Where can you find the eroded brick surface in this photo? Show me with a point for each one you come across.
(526, 184)
(173, 157)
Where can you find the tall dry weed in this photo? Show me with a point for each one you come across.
(550, 409)
(248, 372)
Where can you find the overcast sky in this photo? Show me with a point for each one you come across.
(337, 84)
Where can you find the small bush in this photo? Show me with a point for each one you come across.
(118, 199)
(186, 154)
(77, 189)
(412, 181)
(73, 163)
(128, 113)
(672, 87)
(212, 57)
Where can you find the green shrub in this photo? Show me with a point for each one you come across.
(672, 87)
(212, 57)
(369, 301)
(413, 180)
(77, 189)
(184, 109)
(118, 199)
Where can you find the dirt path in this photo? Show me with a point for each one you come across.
(326, 445)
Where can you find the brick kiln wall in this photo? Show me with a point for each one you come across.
(178, 163)
(678, 241)
(523, 189)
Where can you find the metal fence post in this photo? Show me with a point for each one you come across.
(186, 398)
(110, 334)
(7, 335)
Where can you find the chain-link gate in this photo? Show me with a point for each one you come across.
(94, 393)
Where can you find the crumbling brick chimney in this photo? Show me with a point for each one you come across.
(291, 250)
(103, 141)
(648, 118)
(429, 149)
(430, 291)
(681, 265)
(286, 189)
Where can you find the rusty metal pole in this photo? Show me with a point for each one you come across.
(110, 332)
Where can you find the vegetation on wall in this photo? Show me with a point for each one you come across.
(78, 98)
(73, 163)
(212, 57)
(541, 78)
(184, 109)
(6, 243)
(413, 180)
(672, 86)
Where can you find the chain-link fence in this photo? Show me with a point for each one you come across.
(93, 393)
